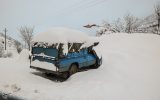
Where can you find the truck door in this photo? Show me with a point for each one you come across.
(85, 57)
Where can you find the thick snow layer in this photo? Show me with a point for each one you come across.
(65, 36)
(43, 65)
(10, 47)
(130, 71)
(61, 35)
(24, 55)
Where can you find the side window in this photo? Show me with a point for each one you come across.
(74, 47)
(60, 50)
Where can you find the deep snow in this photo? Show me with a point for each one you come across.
(62, 35)
(130, 71)
(10, 47)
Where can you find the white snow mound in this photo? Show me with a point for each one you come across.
(130, 71)
(24, 55)
(62, 35)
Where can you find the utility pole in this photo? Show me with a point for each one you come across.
(5, 31)
(158, 21)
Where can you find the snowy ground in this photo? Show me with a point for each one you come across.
(130, 71)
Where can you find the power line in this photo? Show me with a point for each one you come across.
(97, 3)
(72, 6)
(82, 6)
(94, 3)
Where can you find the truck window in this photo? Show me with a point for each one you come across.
(74, 47)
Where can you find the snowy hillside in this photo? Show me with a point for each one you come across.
(130, 71)
(10, 45)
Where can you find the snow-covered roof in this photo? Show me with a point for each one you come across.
(62, 35)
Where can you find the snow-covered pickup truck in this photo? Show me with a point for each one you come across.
(51, 54)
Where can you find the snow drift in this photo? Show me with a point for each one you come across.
(62, 35)
(130, 71)
(24, 55)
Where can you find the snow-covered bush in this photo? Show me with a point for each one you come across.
(105, 28)
(3, 53)
(24, 55)
(1, 50)
(157, 12)
(7, 55)
(149, 25)
(18, 46)
(130, 23)
(118, 25)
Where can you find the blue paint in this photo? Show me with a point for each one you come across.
(82, 58)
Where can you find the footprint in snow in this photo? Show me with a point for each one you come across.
(36, 91)
(15, 88)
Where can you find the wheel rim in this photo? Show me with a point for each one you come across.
(73, 69)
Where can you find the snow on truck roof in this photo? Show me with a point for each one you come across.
(62, 35)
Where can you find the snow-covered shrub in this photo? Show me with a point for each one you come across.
(7, 54)
(149, 25)
(4, 53)
(118, 25)
(24, 55)
(1, 53)
(157, 13)
(105, 28)
(18, 46)
(1, 50)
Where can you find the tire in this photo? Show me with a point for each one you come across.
(65, 75)
(47, 74)
(95, 66)
(73, 69)
(98, 63)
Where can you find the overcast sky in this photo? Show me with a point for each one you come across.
(44, 14)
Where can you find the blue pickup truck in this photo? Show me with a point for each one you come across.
(51, 58)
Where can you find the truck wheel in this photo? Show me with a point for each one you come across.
(65, 75)
(47, 74)
(98, 63)
(73, 69)
(95, 66)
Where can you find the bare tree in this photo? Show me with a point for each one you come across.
(157, 12)
(131, 23)
(26, 34)
(119, 25)
(106, 28)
